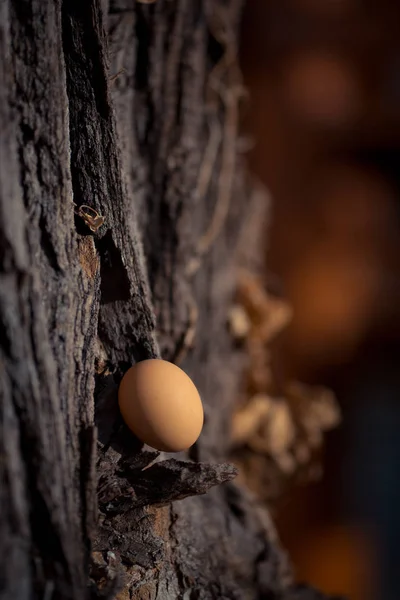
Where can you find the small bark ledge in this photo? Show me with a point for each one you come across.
(172, 480)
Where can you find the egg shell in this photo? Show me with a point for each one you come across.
(161, 405)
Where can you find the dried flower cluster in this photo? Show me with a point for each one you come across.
(274, 434)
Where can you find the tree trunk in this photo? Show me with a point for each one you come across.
(139, 124)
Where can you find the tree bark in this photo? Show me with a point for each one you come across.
(132, 110)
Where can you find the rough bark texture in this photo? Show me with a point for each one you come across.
(140, 125)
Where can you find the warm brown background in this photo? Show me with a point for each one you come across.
(324, 80)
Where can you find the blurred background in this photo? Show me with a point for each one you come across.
(324, 112)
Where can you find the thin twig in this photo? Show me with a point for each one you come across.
(117, 74)
(190, 333)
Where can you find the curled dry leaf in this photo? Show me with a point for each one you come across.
(315, 406)
(256, 319)
(268, 314)
(279, 430)
(266, 425)
(239, 322)
(246, 421)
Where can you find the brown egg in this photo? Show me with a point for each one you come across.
(161, 405)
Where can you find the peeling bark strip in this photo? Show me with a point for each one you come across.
(85, 511)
